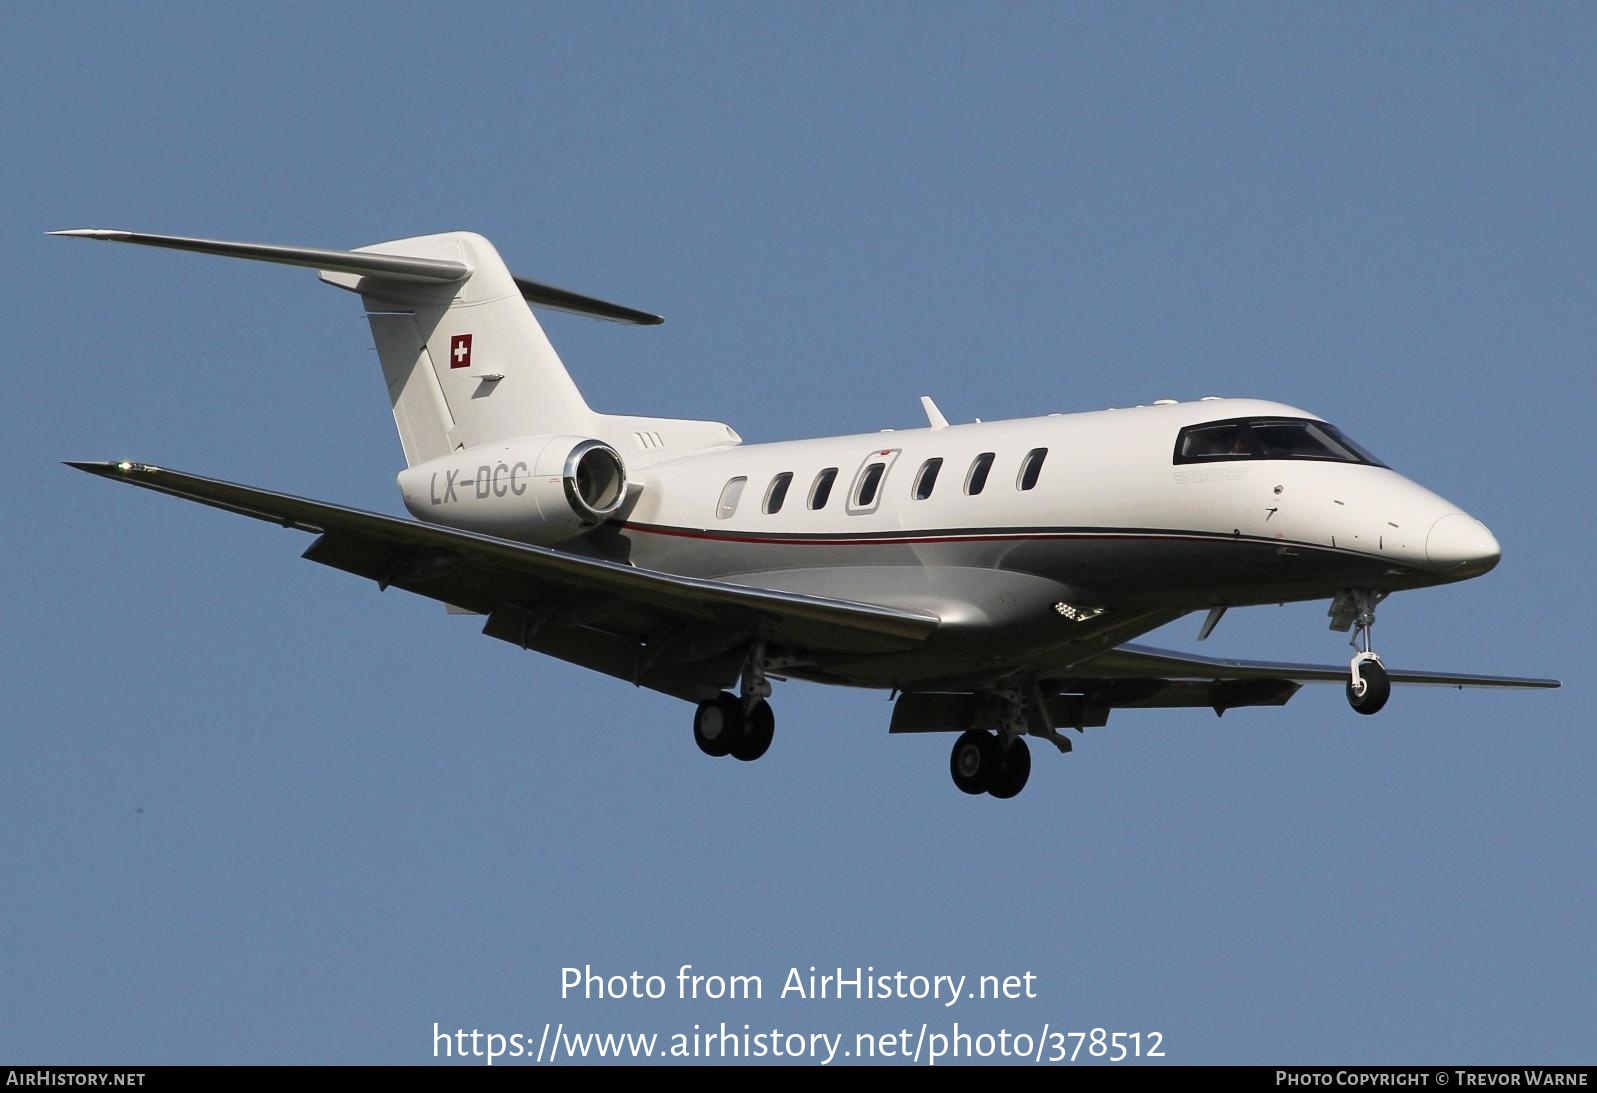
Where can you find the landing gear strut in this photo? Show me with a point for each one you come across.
(1368, 685)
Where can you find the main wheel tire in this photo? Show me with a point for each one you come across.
(974, 761)
(760, 728)
(1014, 767)
(1376, 690)
(718, 725)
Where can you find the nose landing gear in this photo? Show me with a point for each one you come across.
(1368, 685)
(1368, 688)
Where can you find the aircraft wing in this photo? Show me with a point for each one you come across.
(680, 635)
(1141, 661)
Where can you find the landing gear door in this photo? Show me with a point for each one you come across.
(870, 482)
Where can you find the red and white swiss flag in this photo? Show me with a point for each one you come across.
(460, 351)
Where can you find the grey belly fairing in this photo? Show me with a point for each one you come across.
(1111, 567)
(997, 591)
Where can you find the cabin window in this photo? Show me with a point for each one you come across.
(729, 498)
(1268, 438)
(926, 479)
(776, 492)
(870, 480)
(821, 492)
(976, 480)
(1030, 468)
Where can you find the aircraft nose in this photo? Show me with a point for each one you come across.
(1461, 546)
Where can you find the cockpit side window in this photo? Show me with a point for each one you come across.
(1225, 440)
(1268, 438)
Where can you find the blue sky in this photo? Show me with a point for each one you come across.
(254, 811)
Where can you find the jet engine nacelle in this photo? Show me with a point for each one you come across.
(541, 489)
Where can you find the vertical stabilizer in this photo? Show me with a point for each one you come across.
(466, 363)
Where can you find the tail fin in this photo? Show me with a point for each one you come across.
(465, 360)
(466, 363)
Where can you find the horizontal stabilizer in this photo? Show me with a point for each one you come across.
(391, 267)
(560, 299)
(388, 267)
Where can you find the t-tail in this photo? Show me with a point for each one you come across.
(474, 382)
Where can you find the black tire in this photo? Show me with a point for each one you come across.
(1014, 767)
(760, 728)
(1377, 688)
(973, 761)
(718, 725)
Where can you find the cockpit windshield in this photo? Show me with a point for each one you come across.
(1269, 438)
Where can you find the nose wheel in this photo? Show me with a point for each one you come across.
(1368, 684)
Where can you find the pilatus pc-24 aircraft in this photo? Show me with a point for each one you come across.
(991, 575)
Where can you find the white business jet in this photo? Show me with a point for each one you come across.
(989, 574)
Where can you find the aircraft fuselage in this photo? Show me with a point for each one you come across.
(1112, 520)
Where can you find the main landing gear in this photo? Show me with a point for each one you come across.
(999, 763)
(721, 727)
(1368, 685)
(740, 727)
(984, 762)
